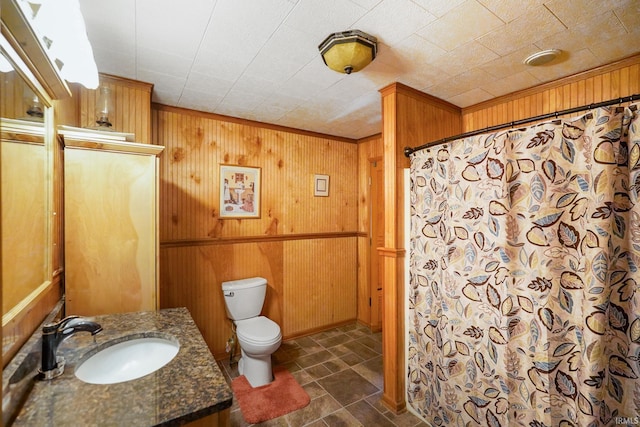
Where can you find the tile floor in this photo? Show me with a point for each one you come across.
(341, 370)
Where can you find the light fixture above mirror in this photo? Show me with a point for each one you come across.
(104, 108)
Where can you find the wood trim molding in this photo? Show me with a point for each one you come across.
(19, 325)
(259, 239)
(123, 81)
(369, 138)
(631, 60)
(18, 33)
(115, 146)
(254, 123)
(392, 252)
(414, 93)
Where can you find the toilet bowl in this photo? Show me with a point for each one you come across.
(259, 337)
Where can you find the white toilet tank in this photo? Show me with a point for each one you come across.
(244, 298)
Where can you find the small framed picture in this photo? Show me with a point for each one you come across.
(321, 186)
(240, 188)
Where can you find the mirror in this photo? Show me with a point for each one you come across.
(24, 193)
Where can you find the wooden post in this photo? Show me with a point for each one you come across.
(409, 118)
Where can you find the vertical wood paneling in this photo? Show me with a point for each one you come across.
(200, 250)
(369, 149)
(196, 146)
(319, 288)
(312, 283)
(132, 107)
(612, 81)
(12, 101)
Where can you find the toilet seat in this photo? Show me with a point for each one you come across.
(258, 331)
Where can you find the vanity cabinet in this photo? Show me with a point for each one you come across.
(111, 226)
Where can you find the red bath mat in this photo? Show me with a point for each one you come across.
(273, 400)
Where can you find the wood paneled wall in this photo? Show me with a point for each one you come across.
(369, 149)
(409, 118)
(305, 246)
(612, 81)
(132, 106)
(418, 118)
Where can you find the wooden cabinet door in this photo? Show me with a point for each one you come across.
(110, 232)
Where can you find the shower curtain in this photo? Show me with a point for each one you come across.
(524, 297)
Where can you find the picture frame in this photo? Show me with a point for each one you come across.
(240, 189)
(321, 185)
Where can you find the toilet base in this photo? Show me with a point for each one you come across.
(257, 370)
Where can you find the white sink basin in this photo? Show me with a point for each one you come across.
(127, 360)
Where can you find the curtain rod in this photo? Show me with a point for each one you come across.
(410, 150)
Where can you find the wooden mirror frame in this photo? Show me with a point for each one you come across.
(24, 51)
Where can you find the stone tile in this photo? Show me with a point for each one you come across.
(318, 371)
(349, 327)
(317, 409)
(342, 418)
(341, 370)
(375, 400)
(371, 370)
(340, 350)
(314, 390)
(276, 422)
(358, 333)
(302, 377)
(314, 358)
(405, 419)
(287, 355)
(237, 420)
(308, 344)
(333, 341)
(289, 366)
(361, 350)
(372, 344)
(368, 415)
(336, 365)
(326, 334)
(358, 387)
(351, 359)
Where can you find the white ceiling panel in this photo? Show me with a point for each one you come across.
(523, 31)
(116, 62)
(259, 59)
(392, 21)
(178, 16)
(472, 20)
(323, 17)
(163, 62)
(439, 7)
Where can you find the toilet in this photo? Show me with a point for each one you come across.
(258, 336)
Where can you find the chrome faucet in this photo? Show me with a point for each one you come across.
(53, 334)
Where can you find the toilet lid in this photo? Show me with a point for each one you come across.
(258, 329)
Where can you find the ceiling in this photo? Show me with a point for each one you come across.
(259, 59)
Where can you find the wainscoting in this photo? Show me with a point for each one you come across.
(305, 246)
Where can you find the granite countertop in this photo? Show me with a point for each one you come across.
(189, 387)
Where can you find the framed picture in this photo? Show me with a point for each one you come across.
(239, 191)
(321, 186)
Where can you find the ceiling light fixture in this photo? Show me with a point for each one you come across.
(542, 57)
(349, 51)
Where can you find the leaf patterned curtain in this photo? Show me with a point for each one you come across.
(524, 300)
